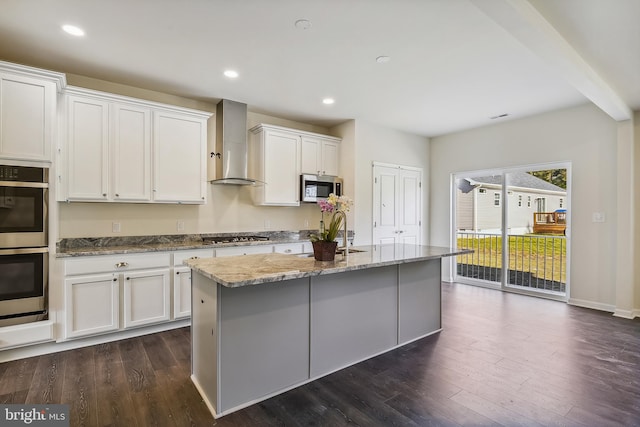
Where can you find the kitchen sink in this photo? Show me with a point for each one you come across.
(338, 252)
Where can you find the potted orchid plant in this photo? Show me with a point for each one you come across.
(324, 243)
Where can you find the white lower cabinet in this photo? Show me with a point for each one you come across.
(146, 297)
(181, 292)
(182, 281)
(244, 250)
(108, 293)
(92, 304)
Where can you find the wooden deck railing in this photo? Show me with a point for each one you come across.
(549, 222)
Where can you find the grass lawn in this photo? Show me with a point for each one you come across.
(541, 255)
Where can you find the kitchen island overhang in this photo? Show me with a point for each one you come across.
(266, 323)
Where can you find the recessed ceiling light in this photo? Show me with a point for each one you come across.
(232, 74)
(328, 101)
(383, 59)
(73, 30)
(303, 24)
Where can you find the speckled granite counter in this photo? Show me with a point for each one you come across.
(273, 267)
(89, 246)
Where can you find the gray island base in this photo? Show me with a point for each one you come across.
(264, 324)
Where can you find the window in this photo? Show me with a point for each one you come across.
(482, 190)
(519, 201)
(561, 203)
(496, 199)
(528, 201)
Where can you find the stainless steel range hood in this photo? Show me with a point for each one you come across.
(231, 153)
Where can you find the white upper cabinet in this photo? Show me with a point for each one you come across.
(120, 149)
(320, 155)
(274, 159)
(180, 144)
(28, 102)
(130, 153)
(87, 139)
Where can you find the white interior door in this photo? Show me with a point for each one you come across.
(397, 204)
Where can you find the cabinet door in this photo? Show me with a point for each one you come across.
(281, 169)
(330, 158)
(181, 292)
(311, 155)
(87, 148)
(179, 145)
(27, 112)
(146, 297)
(131, 153)
(91, 304)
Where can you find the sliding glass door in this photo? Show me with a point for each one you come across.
(516, 222)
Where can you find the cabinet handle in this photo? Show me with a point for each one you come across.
(115, 279)
(287, 251)
(122, 264)
(104, 194)
(195, 257)
(117, 195)
(128, 278)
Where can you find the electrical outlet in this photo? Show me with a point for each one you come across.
(115, 227)
(180, 225)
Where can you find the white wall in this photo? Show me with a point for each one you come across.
(584, 136)
(373, 143)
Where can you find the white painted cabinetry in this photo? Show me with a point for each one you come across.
(92, 304)
(274, 159)
(100, 291)
(320, 155)
(244, 250)
(182, 281)
(120, 149)
(28, 102)
(179, 174)
(146, 297)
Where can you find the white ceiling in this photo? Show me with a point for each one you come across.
(454, 63)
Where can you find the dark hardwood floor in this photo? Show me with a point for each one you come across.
(502, 359)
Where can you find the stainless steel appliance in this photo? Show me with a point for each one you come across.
(314, 187)
(23, 206)
(24, 254)
(24, 280)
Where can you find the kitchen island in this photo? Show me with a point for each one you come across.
(266, 323)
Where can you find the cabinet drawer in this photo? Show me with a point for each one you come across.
(288, 248)
(244, 250)
(115, 263)
(180, 256)
(30, 333)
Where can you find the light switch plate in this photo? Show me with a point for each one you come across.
(115, 227)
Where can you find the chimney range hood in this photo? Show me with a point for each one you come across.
(231, 155)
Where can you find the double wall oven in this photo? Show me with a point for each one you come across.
(24, 253)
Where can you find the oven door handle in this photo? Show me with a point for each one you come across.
(21, 184)
(21, 251)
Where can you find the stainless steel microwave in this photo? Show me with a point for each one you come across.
(314, 187)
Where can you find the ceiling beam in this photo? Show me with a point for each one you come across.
(527, 25)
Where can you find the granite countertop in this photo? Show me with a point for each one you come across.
(74, 247)
(255, 269)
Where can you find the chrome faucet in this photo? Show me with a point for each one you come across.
(345, 247)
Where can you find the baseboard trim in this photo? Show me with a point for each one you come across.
(592, 304)
(626, 314)
(54, 347)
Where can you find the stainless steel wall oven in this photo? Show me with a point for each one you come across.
(24, 253)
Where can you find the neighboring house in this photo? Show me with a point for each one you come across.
(479, 202)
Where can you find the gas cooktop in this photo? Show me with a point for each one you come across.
(233, 239)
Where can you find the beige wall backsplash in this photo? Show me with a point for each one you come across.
(228, 209)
